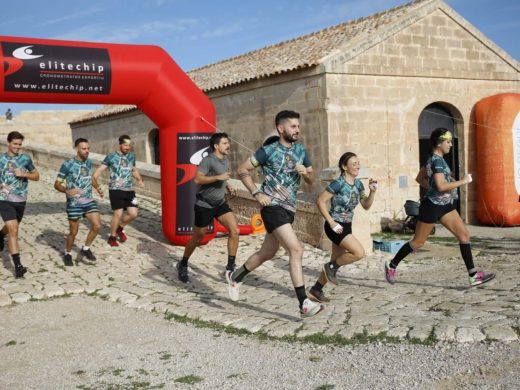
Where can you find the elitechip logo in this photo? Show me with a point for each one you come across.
(25, 53)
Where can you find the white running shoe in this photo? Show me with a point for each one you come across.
(232, 287)
(309, 308)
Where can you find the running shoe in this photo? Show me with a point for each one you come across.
(112, 241)
(330, 273)
(480, 277)
(233, 287)
(121, 233)
(182, 272)
(390, 273)
(19, 271)
(88, 254)
(317, 295)
(2, 242)
(67, 259)
(309, 308)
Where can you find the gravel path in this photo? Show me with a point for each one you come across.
(87, 343)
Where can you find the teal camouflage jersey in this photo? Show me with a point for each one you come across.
(120, 168)
(77, 174)
(345, 199)
(436, 164)
(13, 188)
(281, 180)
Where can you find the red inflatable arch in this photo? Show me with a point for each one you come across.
(51, 71)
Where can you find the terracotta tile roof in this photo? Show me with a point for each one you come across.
(298, 53)
(108, 110)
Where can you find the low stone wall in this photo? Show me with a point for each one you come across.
(308, 222)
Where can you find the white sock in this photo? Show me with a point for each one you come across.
(85, 248)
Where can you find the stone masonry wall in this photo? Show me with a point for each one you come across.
(307, 224)
(48, 127)
(103, 133)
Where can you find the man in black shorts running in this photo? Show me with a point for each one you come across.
(16, 169)
(284, 162)
(212, 176)
(122, 170)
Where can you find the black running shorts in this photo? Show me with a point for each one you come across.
(335, 237)
(431, 213)
(275, 216)
(12, 210)
(204, 215)
(120, 199)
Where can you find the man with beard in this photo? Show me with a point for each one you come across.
(16, 169)
(75, 181)
(283, 162)
(121, 165)
(212, 176)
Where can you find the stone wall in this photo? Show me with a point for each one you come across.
(103, 133)
(48, 127)
(308, 222)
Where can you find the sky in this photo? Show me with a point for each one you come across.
(200, 32)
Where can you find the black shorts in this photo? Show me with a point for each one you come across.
(431, 213)
(335, 237)
(275, 216)
(120, 199)
(12, 210)
(204, 215)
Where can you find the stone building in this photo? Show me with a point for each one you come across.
(376, 86)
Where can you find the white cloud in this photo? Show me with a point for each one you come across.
(220, 31)
(123, 34)
(77, 15)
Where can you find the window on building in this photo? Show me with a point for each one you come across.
(153, 142)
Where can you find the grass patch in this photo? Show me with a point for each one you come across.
(325, 387)
(314, 359)
(236, 376)
(429, 341)
(10, 343)
(189, 379)
(517, 330)
(117, 371)
(79, 372)
(316, 338)
(165, 355)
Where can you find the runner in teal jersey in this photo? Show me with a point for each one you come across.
(437, 206)
(16, 169)
(284, 163)
(75, 181)
(344, 193)
(122, 171)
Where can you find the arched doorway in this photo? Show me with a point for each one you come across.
(446, 116)
(153, 145)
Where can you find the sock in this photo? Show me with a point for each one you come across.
(405, 250)
(85, 248)
(67, 252)
(301, 294)
(317, 286)
(230, 262)
(16, 259)
(239, 274)
(465, 251)
(333, 265)
(184, 261)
